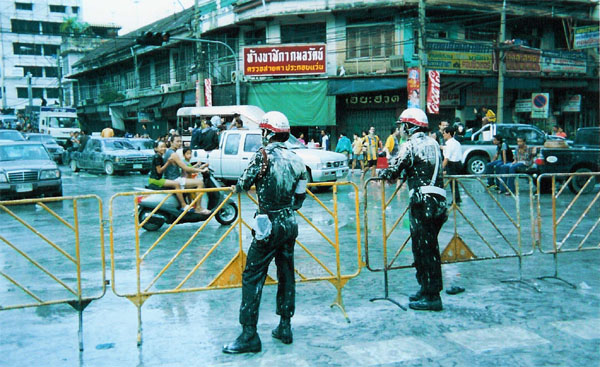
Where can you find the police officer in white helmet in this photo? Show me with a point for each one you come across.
(280, 179)
(421, 161)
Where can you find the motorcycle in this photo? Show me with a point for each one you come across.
(169, 211)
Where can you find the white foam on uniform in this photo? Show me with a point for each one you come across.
(483, 340)
(584, 329)
(390, 351)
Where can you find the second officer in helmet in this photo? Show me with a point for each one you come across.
(280, 179)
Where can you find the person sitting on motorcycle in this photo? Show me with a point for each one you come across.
(177, 167)
(158, 167)
(187, 157)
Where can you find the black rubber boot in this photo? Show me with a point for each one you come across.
(417, 296)
(283, 331)
(431, 303)
(247, 342)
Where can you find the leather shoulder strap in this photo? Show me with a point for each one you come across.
(265, 164)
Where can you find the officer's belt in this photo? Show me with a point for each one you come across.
(429, 190)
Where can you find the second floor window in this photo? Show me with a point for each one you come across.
(58, 9)
(36, 71)
(27, 49)
(303, 33)
(369, 41)
(51, 50)
(25, 26)
(24, 6)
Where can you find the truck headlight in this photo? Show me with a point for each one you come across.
(319, 166)
(49, 174)
(3, 177)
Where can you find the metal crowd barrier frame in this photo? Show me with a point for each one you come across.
(456, 250)
(231, 275)
(559, 244)
(79, 301)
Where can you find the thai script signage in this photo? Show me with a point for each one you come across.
(572, 104)
(207, 92)
(523, 105)
(284, 60)
(433, 92)
(372, 101)
(587, 37)
(459, 56)
(564, 62)
(482, 97)
(522, 60)
(412, 86)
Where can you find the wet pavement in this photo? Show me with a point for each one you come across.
(506, 316)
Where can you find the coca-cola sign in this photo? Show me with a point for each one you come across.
(284, 60)
(433, 92)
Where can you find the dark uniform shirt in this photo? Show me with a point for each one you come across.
(418, 157)
(276, 189)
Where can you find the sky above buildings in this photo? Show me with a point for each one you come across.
(130, 14)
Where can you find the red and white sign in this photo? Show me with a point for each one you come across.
(285, 60)
(433, 92)
(207, 92)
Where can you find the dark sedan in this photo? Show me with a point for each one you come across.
(14, 135)
(110, 155)
(55, 150)
(27, 170)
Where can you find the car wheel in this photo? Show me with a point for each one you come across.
(578, 182)
(109, 168)
(228, 213)
(73, 165)
(476, 165)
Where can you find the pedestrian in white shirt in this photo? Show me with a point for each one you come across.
(452, 158)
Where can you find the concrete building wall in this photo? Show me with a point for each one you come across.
(12, 65)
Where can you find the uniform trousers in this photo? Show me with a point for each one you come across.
(427, 216)
(279, 245)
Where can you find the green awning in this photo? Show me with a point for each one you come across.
(305, 103)
(364, 85)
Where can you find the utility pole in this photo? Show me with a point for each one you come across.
(422, 55)
(59, 74)
(199, 70)
(29, 89)
(500, 104)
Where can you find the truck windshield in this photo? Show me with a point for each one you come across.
(118, 145)
(68, 122)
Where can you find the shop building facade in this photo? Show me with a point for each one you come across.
(343, 66)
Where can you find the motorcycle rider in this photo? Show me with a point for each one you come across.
(421, 161)
(280, 178)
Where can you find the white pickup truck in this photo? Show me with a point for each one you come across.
(236, 148)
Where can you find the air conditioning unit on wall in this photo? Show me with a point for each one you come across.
(396, 63)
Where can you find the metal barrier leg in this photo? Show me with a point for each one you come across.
(139, 333)
(555, 276)
(520, 279)
(386, 294)
(339, 302)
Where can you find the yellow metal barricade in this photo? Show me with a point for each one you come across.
(51, 246)
(571, 216)
(190, 263)
(485, 226)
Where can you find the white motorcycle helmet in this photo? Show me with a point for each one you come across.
(411, 120)
(273, 122)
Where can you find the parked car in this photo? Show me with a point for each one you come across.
(26, 169)
(236, 148)
(110, 155)
(480, 150)
(583, 156)
(14, 135)
(8, 122)
(55, 150)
